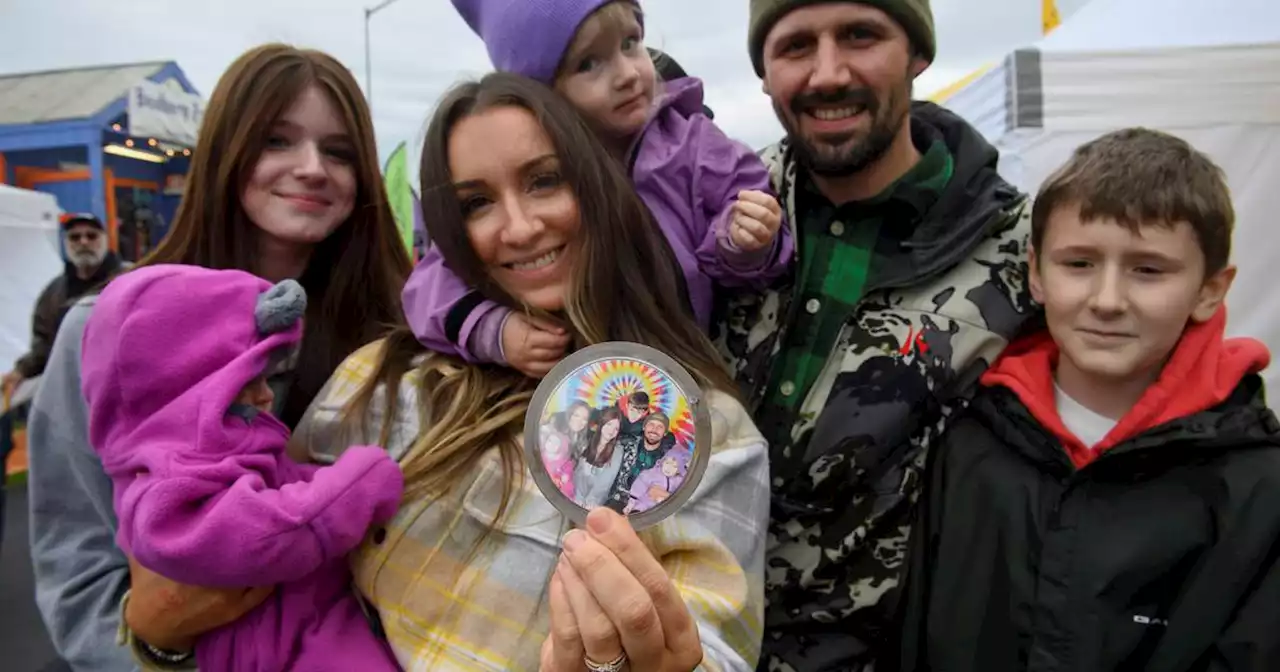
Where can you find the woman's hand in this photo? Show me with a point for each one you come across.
(610, 597)
(169, 615)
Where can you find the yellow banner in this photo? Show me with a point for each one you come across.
(942, 95)
(1049, 15)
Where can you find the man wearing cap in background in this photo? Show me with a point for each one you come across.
(909, 281)
(89, 263)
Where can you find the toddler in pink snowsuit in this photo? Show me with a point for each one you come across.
(173, 365)
(559, 460)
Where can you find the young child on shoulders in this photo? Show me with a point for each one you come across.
(1111, 501)
(708, 194)
(174, 372)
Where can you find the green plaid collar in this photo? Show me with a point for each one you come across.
(840, 248)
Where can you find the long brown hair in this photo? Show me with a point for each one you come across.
(578, 441)
(354, 276)
(596, 454)
(626, 286)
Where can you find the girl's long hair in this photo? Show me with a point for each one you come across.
(578, 441)
(355, 276)
(626, 286)
(598, 453)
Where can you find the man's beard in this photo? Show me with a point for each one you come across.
(88, 260)
(852, 154)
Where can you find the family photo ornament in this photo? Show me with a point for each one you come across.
(619, 425)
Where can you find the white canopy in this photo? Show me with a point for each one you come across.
(1208, 72)
(30, 257)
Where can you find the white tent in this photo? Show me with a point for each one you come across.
(1208, 72)
(29, 258)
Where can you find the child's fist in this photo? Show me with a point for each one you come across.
(756, 220)
(533, 346)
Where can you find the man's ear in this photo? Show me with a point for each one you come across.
(918, 64)
(1213, 293)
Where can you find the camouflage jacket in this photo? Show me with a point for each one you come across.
(845, 486)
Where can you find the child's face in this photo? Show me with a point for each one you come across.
(1116, 302)
(257, 394)
(670, 467)
(555, 448)
(634, 412)
(607, 73)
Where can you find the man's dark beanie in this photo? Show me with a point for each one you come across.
(914, 15)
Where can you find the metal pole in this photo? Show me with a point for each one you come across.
(368, 58)
(368, 49)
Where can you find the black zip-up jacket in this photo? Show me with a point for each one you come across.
(54, 302)
(1160, 555)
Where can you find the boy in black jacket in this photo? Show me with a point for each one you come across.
(1111, 501)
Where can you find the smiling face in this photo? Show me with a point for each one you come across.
(654, 430)
(521, 216)
(840, 77)
(1117, 301)
(607, 73)
(609, 431)
(303, 186)
(578, 419)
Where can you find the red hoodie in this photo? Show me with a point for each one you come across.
(1203, 371)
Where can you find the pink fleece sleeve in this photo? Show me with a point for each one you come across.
(222, 524)
(723, 167)
(444, 313)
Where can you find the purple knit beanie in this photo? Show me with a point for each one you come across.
(527, 37)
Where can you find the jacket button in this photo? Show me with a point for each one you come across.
(379, 536)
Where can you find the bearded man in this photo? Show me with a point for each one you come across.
(909, 279)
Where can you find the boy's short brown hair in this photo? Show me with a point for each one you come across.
(1142, 177)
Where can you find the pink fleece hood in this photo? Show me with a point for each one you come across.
(168, 348)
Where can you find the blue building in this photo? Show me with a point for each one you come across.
(113, 140)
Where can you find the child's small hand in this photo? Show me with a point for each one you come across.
(533, 346)
(756, 220)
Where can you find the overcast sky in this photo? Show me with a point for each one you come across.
(420, 47)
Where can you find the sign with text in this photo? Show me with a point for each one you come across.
(165, 112)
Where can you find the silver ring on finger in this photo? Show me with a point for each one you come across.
(614, 665)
